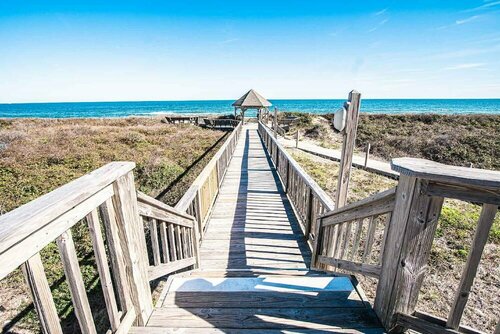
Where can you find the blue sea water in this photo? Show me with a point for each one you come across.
(121, 109)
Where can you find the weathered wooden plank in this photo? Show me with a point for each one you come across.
(206, 330)
(103, 269)
(442, 322)
(22, 222)
(406, 188)
(246, 299)
(465, 193)
(372, 226)
(160, 214)
(75, 283)
(42, 296)
(155, 245)
(142, 197)
(18, 253)
(116, 254)
(348, 143)
(163, 269)
(362, 268)
(164, 243)
(422, 326)
(378, 206)
(469, 273)
(133, 243)
(172, 242)
(357, 240)
(434, 171)
(126, 322)
(265, 318)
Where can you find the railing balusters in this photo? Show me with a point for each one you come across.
(34, 274)
(172, 242)
(155, 245)
(75, 283)
(347, 239)
(103, 269)
(164, 242)
(372, 226)
(357, 239)
(116, 254)
(178, 242)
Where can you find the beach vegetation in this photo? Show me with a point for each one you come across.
(40, 155)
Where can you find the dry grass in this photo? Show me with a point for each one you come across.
(451, 139)
(449, 252)
(38, 155)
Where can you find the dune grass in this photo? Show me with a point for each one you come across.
(39, 155)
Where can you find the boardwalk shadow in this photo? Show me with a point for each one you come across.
(265, 233)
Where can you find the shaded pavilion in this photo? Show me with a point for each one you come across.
(251, 100)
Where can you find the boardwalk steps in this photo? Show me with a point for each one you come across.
(252, 304)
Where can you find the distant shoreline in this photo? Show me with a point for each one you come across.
(223, 107)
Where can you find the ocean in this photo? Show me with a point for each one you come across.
(148, 108)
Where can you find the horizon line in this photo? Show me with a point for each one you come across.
(271, 99)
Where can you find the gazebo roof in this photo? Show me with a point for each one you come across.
(252, 99)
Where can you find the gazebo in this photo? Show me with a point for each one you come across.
(251, 100)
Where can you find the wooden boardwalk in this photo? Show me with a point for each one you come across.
(252, 225)
(254, 275)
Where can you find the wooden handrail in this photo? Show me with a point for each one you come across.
(21, 223)
(174, 237)
(108, 195)
(346, 236)
(306, 196)
(199, 198)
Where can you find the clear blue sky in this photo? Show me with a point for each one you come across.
(182, 50)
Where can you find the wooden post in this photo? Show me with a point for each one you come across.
(349, 140)
(133, 242)
(367, 154)
(275, 122)
(409, 239)
(480, 237)
(297, 139)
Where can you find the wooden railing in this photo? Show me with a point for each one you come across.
(173, 235)
(308, 199)
(411, 213)
(199, 198)
(106, 195)
(347, 236)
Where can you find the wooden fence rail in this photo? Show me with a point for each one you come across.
(199, 198)
(347, 236)
(104, 199)
(411, 211)
(308, 199)
(173, 235)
